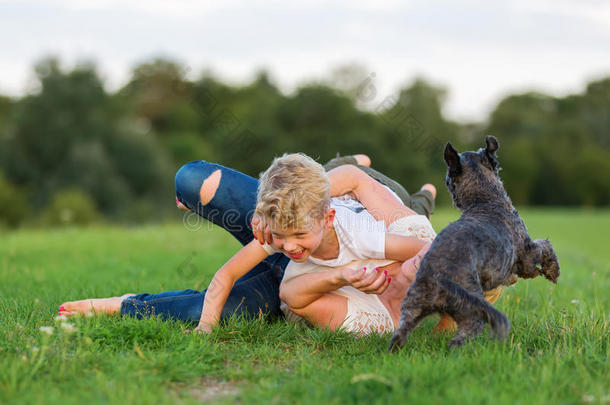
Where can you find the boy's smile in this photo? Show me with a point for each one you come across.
(297, 256)
(300, 243)
(297, 243)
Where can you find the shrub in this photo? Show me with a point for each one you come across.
(70, 207)
(13, 204)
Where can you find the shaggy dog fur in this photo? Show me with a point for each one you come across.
(487, 247)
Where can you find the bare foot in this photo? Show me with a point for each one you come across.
(181, 206)
(110, 305)
(446, 324)
(430, 188)
(363, 160)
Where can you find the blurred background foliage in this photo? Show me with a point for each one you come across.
(73, 153)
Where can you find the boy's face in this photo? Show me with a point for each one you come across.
(298, 243)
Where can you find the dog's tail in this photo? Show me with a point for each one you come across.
(462, 300)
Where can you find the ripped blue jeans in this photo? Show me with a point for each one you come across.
(231, 207)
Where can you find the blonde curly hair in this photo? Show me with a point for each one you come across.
(293, 191)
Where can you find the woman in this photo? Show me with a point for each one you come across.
(227, 198)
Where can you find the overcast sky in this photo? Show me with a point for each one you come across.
(479, 50)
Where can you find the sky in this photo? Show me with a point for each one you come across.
(480, 51)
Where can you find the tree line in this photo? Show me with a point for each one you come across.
(73, 152)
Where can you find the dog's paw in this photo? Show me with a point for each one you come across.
(551, 271)
(549, 266)
(396, 343)
(457, 342)
(500, 328)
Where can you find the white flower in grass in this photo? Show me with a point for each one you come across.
(575, 301)
(47, 329)
(88, 314)
(68, 327)
(61, 318)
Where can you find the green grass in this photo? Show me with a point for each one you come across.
(557, 352)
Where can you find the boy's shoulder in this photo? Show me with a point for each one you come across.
(348, 203)
(352, 217)
(358, 232)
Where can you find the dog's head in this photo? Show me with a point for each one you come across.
(472, 177)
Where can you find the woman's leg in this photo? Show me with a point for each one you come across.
(225, 197)
(221, 195)
(107, 306)
(422, 202)
(255, 296)
(328, 311)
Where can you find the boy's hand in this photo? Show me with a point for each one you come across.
(200, 329)
(261, 230)
(371, 281)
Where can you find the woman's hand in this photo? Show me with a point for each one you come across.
(261, 230)
(371, 281)
(409, 267)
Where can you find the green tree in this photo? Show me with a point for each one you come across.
(414, 133)
(69, 135)
(253, 136)
(322, 122)
(13, 204)
(154, 91)
(595, 112)
(70, 207)
(554, 149)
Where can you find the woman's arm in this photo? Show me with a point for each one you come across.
(328, 311)
(402, 248)
(376, 198)
(223, 281)
(380, 203)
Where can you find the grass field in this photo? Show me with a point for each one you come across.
(558, 349)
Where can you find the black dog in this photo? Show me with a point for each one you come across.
(487, 247)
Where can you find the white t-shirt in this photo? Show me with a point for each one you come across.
(360, 236)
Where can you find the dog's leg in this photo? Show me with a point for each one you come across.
(470, 322)
(410, 317)
(416, 306)
(466, 305)
(548, 260)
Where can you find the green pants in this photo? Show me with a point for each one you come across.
(421, 202)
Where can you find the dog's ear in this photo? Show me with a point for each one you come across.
(490, 150)
(492, 144)
(452, 158)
